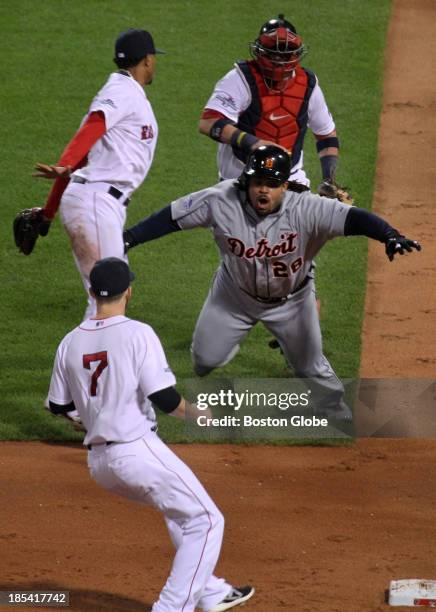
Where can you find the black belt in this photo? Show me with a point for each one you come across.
(89, 446)
(278, 300)
(113, 191)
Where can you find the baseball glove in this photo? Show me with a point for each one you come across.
(28, 225)
(330, 189)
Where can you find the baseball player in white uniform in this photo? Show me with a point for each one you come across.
(267, 237)
(108, 158)
(270, 99)
(111, 369)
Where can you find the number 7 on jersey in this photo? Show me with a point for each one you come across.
(101, 357)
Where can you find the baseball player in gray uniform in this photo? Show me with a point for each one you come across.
(111, 369)
(267, 237)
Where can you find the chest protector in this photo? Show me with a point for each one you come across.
(279, 116)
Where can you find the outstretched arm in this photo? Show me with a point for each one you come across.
(360, 222)
(189, 211)
(73, 157)
(155, 226)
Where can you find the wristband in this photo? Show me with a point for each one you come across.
(243, 141)
(217, 128)
(325, 143)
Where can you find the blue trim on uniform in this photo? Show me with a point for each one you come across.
(248, 120)
(303, 117)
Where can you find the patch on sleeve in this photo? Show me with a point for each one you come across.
(226, 101)
(187, 203)
(109, 102)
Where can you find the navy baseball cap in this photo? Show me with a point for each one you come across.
(134, 44)
(110, 276)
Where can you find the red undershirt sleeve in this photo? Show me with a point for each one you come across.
(75, 156)
(209, 113)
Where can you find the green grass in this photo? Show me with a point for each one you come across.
(56, 54)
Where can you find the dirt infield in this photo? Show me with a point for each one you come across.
(400, 313)
(313, 529)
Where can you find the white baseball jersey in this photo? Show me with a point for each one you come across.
(108, 368)
(123, 156)
(232, 96)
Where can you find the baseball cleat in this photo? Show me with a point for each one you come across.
(274, 344)
(341, 412)
(237, 597)
(76, 421)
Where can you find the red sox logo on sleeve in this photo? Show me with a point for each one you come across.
(263, 249)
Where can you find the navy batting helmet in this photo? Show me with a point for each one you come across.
(269, 162)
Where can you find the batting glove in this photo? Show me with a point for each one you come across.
(400, 244)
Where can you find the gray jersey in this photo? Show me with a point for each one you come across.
(265, 256)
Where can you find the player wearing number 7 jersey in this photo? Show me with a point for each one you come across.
(268, 237)
(111, 369)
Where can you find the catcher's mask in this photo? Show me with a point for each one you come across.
(268, 162)
(277, 51)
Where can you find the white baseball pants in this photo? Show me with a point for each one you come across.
(147, 471)
(94, 221)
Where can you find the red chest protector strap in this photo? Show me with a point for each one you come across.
(279, 116)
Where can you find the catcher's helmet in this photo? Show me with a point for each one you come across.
(270, 162)
(277, 50)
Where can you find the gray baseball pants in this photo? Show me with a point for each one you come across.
(229, 313)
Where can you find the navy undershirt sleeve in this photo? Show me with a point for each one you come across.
(360, 222)
(166, 400)
(155, 226)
